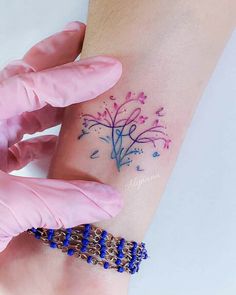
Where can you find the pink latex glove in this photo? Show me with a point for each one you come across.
(30, 92)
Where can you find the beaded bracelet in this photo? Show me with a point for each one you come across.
(95, 245)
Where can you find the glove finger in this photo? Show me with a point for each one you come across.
(52, 203)
(12, 131)
(58, 49)
(24, 152)
(30, 122)
(60, 86)
(14, 68)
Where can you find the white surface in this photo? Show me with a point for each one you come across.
(192, 242)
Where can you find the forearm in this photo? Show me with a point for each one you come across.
(168, 51)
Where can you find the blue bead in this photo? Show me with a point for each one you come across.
(102, 241)
(132, 260)
(53, 245)
(86, 234)
(68, 236)
(103, 254)
(106, 265)
(89, 259)
(83, 249)
(34, 230)
(131, 265)
(50, 236)
(103, 248)
(87, 226)
(135, 245)
(120, 255)
(104, 234)
(65, 243)
(145, 256)
(120, 269)
(70, 252)
(51, 231)
(85, 242)
(37, 235)
(120, 247)
(133, 270)
(69, 230)
(134, 251)
(122, 241)
(134, 256)
(118, 262)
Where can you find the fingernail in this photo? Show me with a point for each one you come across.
(74, 26)
(110, 66)
(100, 60)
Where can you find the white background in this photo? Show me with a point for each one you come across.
(192, 241)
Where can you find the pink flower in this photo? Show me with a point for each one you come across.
(85, 124)
(167, 143)
(155, 123)
(128, 96)
(141, 119)
(115, 105)
(141, 98)
(159, 112)
(101, 115)
(104, 114)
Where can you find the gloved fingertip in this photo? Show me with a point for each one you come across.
(100, 60)
(74, 26)
(117, 205)
(111, 201)
(109, 63)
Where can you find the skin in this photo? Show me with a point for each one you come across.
(168, 51)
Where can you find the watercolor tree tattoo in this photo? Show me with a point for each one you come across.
(127, 130)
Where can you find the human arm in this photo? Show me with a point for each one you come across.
(168, 50)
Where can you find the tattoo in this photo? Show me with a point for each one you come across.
(155, 154)
(139, 169)
(107, 139)
(94, 155)
(84, 132)
(128, 128)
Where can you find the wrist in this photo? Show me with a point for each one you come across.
(89, 280)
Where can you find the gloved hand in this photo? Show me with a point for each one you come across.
(33, 92)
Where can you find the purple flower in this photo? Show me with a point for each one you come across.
(158, 112)
(85, 124)
(129, 96)
(167, 143)
(115, 105)
(141, 119)
(155, 123)
(141, 98)
(101, 115)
